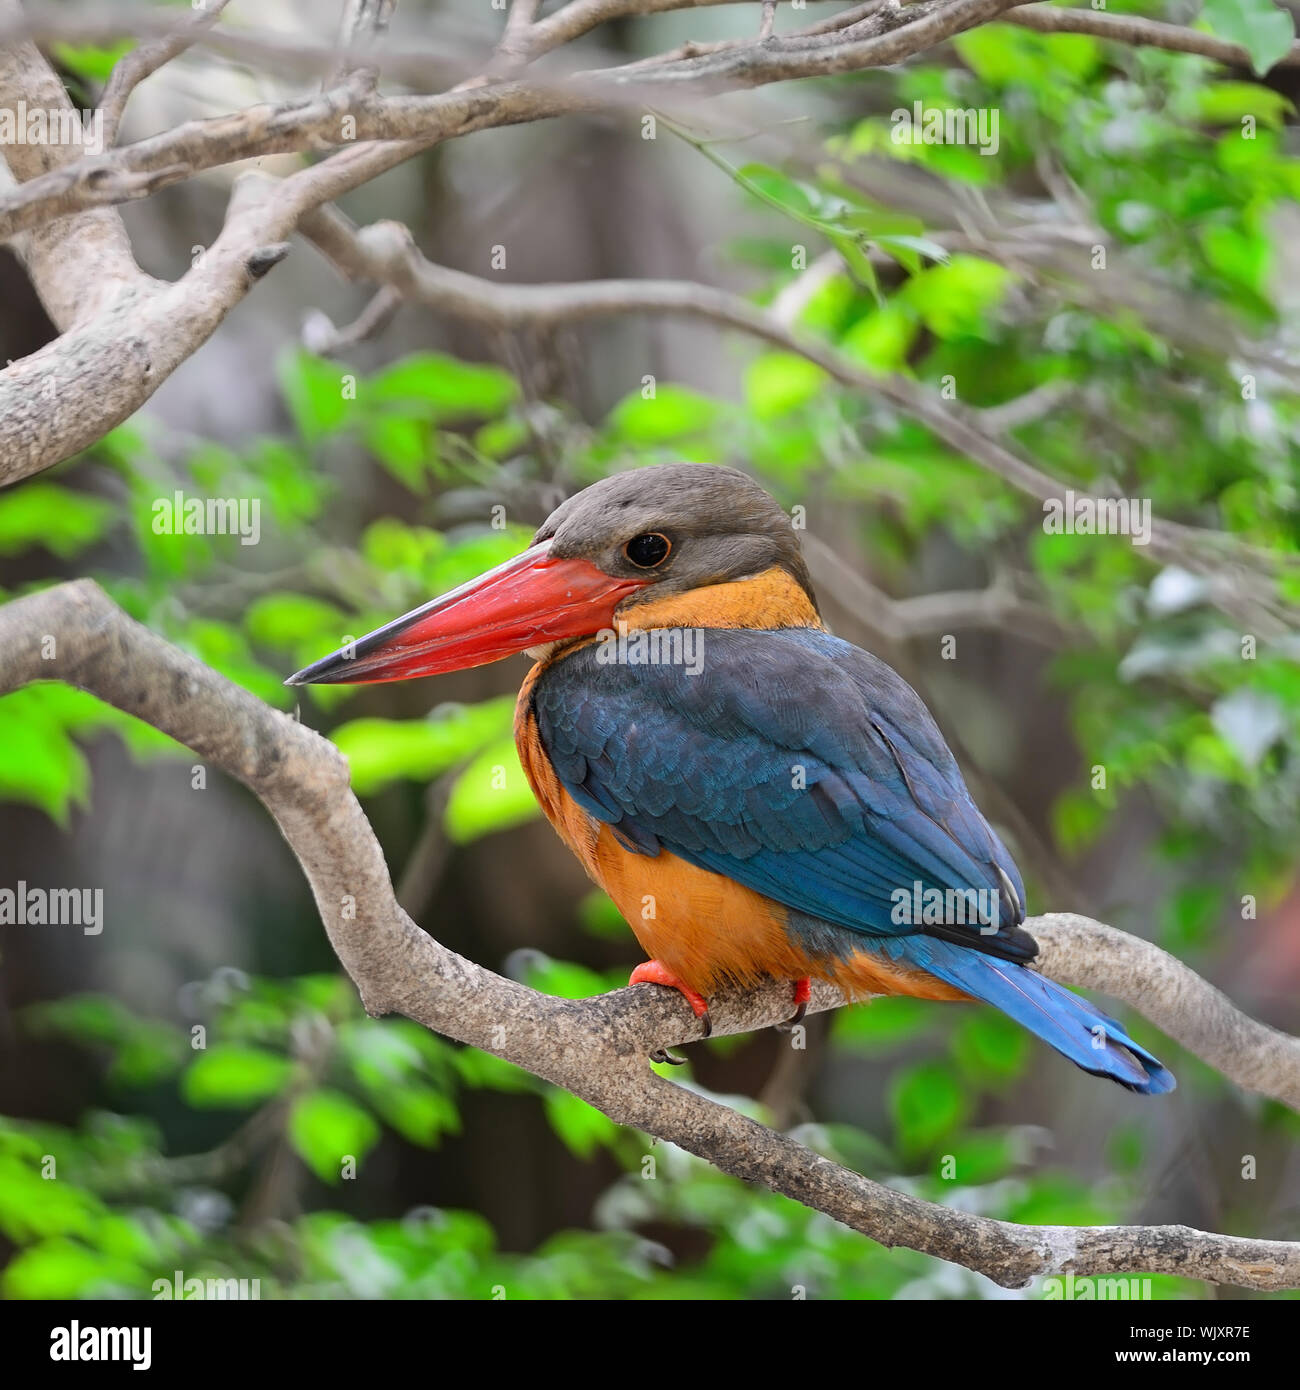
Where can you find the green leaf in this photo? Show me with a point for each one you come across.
(429, 560)
(91, 61)
(500, 438)
(32, 1206)
(671, 413)
(1243, 258)
(233, 1075)
(403, 446)
(392, 545)
(326, 1128)
(908, 250)
(927, 1104)
(289, 621)
(491, 794)
(65, 1269)
(288, 479)
(600, 916)
(1078, 817)
(565, 979)
(1228, 102)
(63, 521)
(224, 647)
(85, 1018)
(144, 1049)
(417, 1112)
(778, 191)
(40, 765)
(582, 1128)
(443, 388)
(989, 1046)
(981, 1157)
(779, 382)
(1189, 917)
(881, 1024)
(381, 751)
(957, 299)
(882, 340)
(1265, 30)
(314, 392)
(483, 1069)
(153, 1051)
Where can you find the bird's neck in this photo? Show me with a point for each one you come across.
(772, 599)
(767, 601)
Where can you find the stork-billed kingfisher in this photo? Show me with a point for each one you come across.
(759, 798)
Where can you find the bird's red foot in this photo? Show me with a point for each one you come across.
(655, 972)
(802, 994)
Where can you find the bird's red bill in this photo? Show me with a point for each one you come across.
(528, 601)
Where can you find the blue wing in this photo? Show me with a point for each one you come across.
(793, 762)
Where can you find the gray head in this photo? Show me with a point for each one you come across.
(640, 535)
(679, 525)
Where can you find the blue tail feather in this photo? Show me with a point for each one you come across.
(1074, 1027)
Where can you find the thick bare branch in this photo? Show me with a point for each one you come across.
(580, 17)
(885, 36)
(77, 264)
(60, 400)
(875, 36)
(597, 1047)
(516, 46)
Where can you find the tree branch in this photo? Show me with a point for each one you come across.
(1141, 33)
(319, 335)
(78, 264)
(59, 400)
(890, 36)
(364, 23)
(343, 116)
(1078, 951)
(884, 36)
(132, 69)
(597, 1048)
(385, 253)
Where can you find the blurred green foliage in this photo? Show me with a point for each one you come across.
(102, 1211)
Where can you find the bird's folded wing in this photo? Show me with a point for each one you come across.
(789, 761)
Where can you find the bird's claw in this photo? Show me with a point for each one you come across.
(802, 994)
(655, 972)
(667, 1058)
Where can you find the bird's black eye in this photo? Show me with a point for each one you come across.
(649, 550)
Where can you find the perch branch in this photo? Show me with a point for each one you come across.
(597, 1048)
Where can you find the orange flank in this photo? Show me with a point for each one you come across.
(705, 929)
